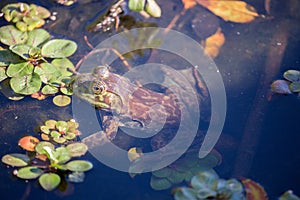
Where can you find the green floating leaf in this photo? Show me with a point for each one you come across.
(281, 87)
(2, 74)
(204, 180)
(48, 72)
(62, 155)
(162, 173)
(160, 183)
(292, 75)
(288, 195)
(185, 194)
(40, 147)
(22, 26)
(49, 181)
(59, 48)
(295, 87)
(8, 92)
(61, 100)
(69, 135)
(63, 64)
(176, 177)
(41, 11)
(27, 84)
(152, 8)
(37, 37)
(7, 57)
(59, 140)
(10, 35)
(49, 89)
(136, 5)
(79, 165)
(51, 123)
(21, 50)
(29, 172)
(20, 69)
(77, 149)
(33, 22)
(15, 159)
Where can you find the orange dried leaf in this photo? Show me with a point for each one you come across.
(38, 95)
(188, 4)
(254, 191)
(234, 11)
(214, 43)
(28, 143)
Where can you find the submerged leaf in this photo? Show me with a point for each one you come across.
(59, 48)
(160, 183)
(281, 87)
(254, 190)
(214, 43)
(15, 159)
(2, 74)
(235, 11)
(7, 57)
(292, 75)
(185, 194)
(49, 181)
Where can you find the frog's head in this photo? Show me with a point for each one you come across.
(100, 88)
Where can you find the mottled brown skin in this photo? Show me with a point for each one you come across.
(130, 104)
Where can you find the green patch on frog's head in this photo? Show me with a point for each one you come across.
(93, 89)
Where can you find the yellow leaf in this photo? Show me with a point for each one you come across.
(133, 154)
(188, 4)
(234, 11)
(214, 43)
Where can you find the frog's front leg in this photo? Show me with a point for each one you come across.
(110, 129)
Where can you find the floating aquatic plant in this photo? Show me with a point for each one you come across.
(26, 63)
(26, 17)
(290, 85)
(183, 170)
(46, 161)
(149, 6)
(207, 185)
(60, 131)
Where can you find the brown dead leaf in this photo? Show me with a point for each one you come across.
(234, 11)
(38, 96)
(214, 43)
(189, 4)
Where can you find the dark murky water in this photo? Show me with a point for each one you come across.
(245, 61)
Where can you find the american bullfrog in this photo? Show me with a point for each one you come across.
(123, 103)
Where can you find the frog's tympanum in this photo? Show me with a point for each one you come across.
(124, 104)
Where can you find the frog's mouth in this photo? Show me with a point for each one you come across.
(95, 92)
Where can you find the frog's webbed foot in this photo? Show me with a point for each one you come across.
(110, 126)
(96, 139)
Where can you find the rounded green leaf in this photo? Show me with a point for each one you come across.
(160, 183)
(62, 155)
(164, 172)
(59, 140)
(42, 12)
(45, 129)
(8, 92)
(21, 50)
(69, 135)
(15, 159)
(61, 100)
(292, 75)
(61, 126)
(19, 69)
(79, 165)
(281, 87)
(55, 134)
(136, 5)
(77, 149)
(49, 89)
(59, 48)
(152, 8)
(7, 57)
(37, 37)
(185, 194)
(66, 91)
(48, 72)
(2, 74)
(22, 26)
(76, 177)
(39, 148)
(29, 172)
(63, 64)
(51, 123)
(10, 35)
(176, 177)
(295, 87)
(204, 180)
(49, 181)
(26, 85)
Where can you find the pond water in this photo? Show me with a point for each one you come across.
(260, 137)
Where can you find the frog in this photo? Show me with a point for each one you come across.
(123, 103)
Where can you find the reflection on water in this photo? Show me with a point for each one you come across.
(248, 51)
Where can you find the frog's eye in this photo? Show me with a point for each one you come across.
(98, 88)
